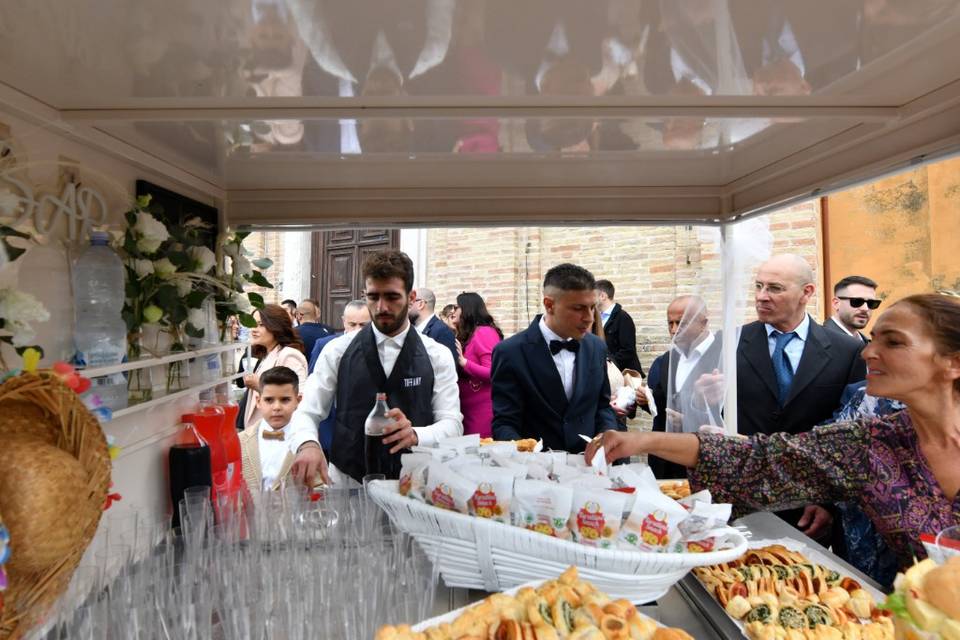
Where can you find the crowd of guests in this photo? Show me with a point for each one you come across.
(871, 479)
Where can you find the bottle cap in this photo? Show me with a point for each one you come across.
(99, 237)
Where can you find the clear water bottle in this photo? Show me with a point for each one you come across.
(99, 332)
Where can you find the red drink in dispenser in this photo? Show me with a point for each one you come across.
(231, 443)
(208, 420)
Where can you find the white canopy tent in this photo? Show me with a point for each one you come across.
(700, 111)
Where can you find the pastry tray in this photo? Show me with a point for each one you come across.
(696, 594)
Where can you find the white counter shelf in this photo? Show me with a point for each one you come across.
(161, 398)
(143, 363)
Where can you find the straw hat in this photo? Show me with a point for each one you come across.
(54, 476)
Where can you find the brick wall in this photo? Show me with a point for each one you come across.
(649, 266)
(268, 244)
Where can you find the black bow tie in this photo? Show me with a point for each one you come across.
(556, 346)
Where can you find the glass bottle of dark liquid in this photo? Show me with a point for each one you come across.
(373, 429)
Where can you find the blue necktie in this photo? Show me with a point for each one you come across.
(781, 364)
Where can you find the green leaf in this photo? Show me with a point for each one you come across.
(180, 259)
(256, 299)
(195, 299)
(10, 231)
(177, 314)
(144, 201)
(258, 279)
(167, 297)
(192, 331)
(263, 263)
(896, 603)
(12, 252)
(240, 236)
(247, 320)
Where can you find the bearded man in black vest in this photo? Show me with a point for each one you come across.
(387, 356)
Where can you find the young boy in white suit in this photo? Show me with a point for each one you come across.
(264, 449)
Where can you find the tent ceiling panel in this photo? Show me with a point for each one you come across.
(307, 111)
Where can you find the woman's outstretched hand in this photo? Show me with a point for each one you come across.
(616, 445)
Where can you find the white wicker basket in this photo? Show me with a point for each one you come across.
(482, 554)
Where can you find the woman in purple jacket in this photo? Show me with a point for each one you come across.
(477, 335)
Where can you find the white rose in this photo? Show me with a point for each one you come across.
(18, 310)
(164, 268)
(184, 287)
(231, 250)
(242, 302)
(242, 266)
(9, 202)
(152, 233)
(197, 318)
(203, 257)
(143, 268)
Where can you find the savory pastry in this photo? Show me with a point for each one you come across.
(614, 627)
(792, 618)
(641, 627)
(817, 614)
(586, 633)
(738, 606)
(760, 613)
(860, 604)
(835, 597)
(567, 608)
(544, 632)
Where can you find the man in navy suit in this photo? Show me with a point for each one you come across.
(422, 317)
(791, 372)
(311, 329)
(550, 380)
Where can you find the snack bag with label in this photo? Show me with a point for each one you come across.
(542, 506)
(653, 523)
(705, 528)
(596, 516)
(447, 489)
(493, 494)
(413, 474)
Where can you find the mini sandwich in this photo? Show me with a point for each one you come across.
(926, 601)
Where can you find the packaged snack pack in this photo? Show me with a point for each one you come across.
(542, 506)
(413, 474)
(653, 523)
(596, 516)
(447, 489)
(493, 493)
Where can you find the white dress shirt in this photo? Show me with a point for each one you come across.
(272, 454)
(687, 362)
(605, 315)
(794, 348)
(857, 335)
(321, 388)
(565, 360)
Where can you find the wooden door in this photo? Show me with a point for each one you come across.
(337, 257)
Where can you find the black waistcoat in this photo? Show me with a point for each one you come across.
(359, 379)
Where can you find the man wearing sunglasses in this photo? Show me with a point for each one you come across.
(854, 300)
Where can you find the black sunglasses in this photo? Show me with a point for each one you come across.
(856, 303)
